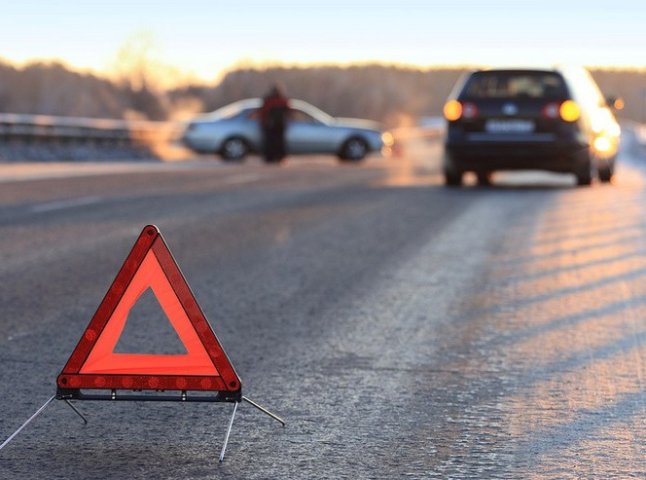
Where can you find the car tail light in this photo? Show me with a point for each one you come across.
(455, 110)
(551, 110)
(469, 110)
(569, 111)
(452, 110)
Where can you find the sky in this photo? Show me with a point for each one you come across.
(206, 38)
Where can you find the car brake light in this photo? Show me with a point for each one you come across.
(569, 111)
(452, 110)
(469, 110)
(551, 110)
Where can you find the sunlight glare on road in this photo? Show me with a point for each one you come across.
(570, 294)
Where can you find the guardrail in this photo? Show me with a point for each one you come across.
(33, 128)
(97, 130)
(50, 138)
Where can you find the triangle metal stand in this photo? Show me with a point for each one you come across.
(76, 410)
(233, 416)
(38, 412)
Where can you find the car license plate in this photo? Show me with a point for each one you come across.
(509, 126)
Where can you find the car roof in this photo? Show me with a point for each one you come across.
(562, 69)
(234, 108)
(517, 70)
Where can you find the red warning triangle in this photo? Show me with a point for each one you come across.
(95, 365)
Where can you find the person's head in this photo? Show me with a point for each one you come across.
(276, 90)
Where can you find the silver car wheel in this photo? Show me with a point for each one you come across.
(234, 149)
(355, 149)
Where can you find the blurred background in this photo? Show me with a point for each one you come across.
(394, 62)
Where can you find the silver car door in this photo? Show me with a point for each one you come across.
(305, 134)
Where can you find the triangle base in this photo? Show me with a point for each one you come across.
(143, 382)
(160, 396)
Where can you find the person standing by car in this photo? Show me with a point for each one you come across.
(273, 122)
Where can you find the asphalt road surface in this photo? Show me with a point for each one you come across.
(403, 329)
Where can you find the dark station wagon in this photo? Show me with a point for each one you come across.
(527, 119)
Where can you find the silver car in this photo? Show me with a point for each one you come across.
(233, 131)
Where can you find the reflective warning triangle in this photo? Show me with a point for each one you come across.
(95, 365)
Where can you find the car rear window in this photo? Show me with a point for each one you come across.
(515, 85)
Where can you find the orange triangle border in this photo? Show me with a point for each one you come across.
(71, 377)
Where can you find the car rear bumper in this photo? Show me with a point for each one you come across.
(514, 155)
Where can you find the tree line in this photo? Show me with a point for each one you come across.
(391, 94)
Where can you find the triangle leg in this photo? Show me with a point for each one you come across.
(40, 410)
(78, 412)
(264, 410)
(226, 438)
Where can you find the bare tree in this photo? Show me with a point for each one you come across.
(380, 92)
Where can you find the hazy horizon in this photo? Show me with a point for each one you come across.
(183, 79)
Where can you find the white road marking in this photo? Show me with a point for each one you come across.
(67, 203)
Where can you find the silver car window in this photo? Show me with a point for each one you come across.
(300, 116)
